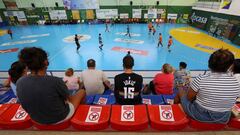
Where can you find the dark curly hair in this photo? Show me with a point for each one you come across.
(16, 71)
(221, 60)
(236, 67)
(33, 57)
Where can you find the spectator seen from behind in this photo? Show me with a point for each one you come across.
(211, 97)
(16, 71)
(163, 82)
(128, 85)
(45, 98)
(94, 81)
(182, 76)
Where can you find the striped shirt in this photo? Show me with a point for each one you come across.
(216, 91)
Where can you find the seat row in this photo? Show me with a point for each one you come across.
(118, 117)
(106, 99)
(146, 99)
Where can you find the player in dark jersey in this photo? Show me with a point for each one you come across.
(100, 41)
(128, 31)
(77, 42)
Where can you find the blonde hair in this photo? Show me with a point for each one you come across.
(167, 69)
(69, 72)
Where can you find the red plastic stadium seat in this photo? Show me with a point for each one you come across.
(140, 119)
(12, 116)
(206, 126)
(234, 122)
(179, 123)
(60, 126)
(79, 120)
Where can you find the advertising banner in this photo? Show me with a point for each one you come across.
(106, 13)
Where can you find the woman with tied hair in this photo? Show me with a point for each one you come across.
(211, 97)
(45, 98)
(163, 82)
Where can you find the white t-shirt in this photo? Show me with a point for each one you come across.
(238, 77)
(93, 81)
(71, 82)
(216, 91)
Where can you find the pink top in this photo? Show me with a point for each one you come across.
(163, 83)
(71, 82)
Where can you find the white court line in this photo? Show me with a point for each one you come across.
(63, 49)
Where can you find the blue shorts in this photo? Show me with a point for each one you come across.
(197, 112)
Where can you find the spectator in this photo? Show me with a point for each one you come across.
(72, 82)
(236, 69)
(128, 53)
(45, 98)
(128, 85)
(94, 81)
(16, 71)
(6, 83)
(211, 97)
(182, 76)
(163, 82)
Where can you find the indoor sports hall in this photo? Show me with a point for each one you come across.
(120, 43)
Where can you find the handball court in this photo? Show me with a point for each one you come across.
(190, 45)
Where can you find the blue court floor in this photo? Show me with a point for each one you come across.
(62, 53)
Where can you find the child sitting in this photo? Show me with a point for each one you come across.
(72, 82)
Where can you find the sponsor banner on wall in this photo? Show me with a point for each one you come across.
(90, 14)
(161, 13)
(58, 14)
(75, 14)
(198, 20)
(20, 15)
(137, 13)
(124, 15)
(152, 13)
(172, 16)
(226, 4)
(106, 13)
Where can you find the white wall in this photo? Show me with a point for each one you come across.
(51, 3)
(147, 2)
(1, 4)
(233, 10)
(38, 3)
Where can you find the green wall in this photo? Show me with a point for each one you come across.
(123, 6)
(170, 9)
(1, 4)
